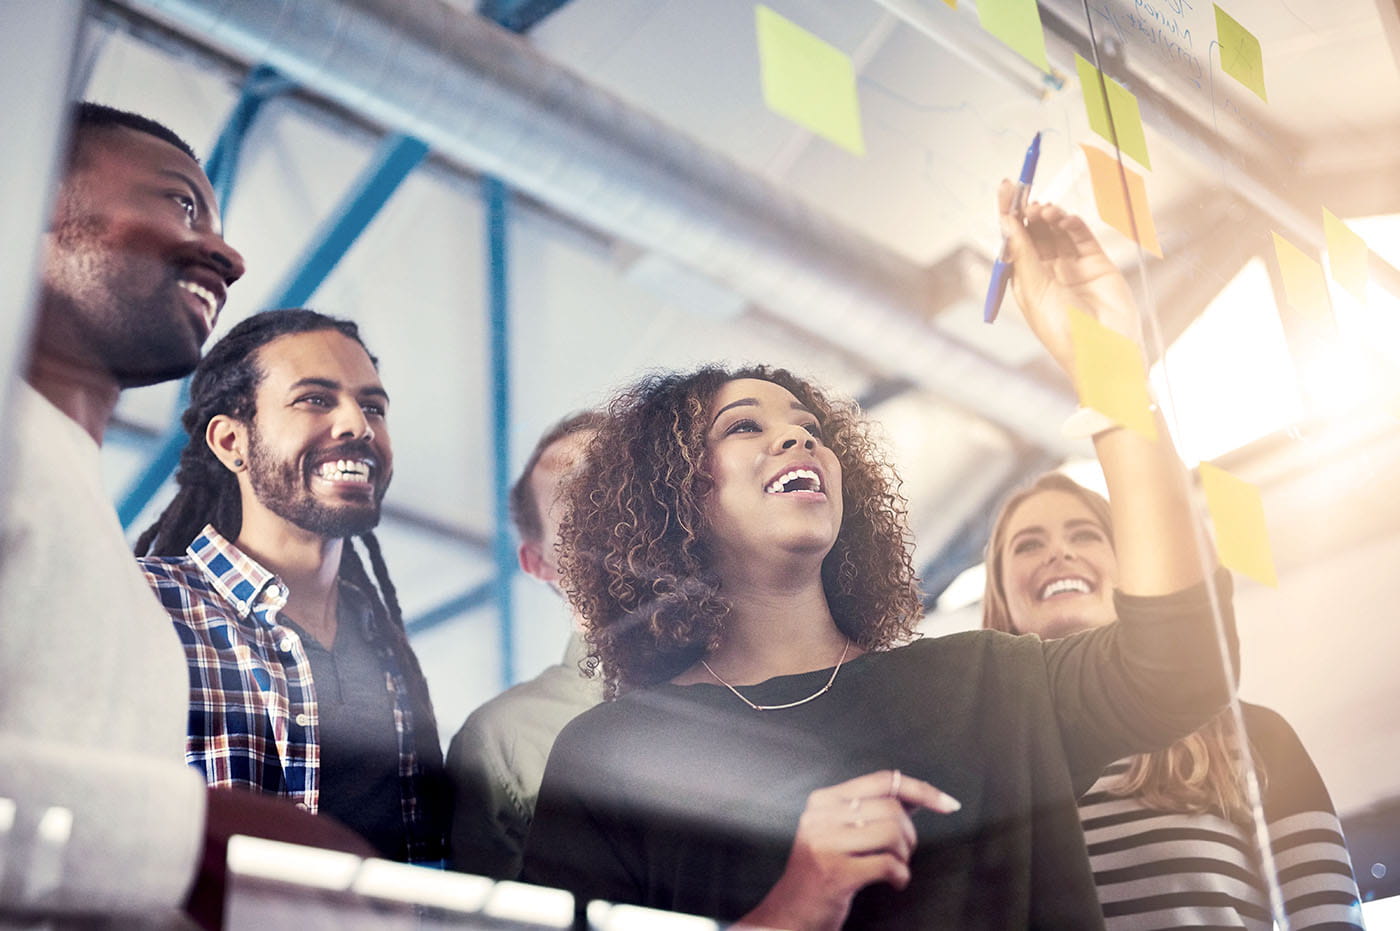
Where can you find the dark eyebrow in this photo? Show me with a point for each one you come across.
(331, 384)
(313, 382)
(796, 405)
(738, 403)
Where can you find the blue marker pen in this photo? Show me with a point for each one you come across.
(1001, 269)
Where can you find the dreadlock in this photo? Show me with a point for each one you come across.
(390, 617)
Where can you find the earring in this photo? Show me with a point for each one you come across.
(238, 463)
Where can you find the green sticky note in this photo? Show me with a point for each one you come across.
(1240, 55)
(1304, 285)
(809, 81)
(1241, 536)
(1017, 23)
(1109, 375)
(1347, 255)
(1127, 121)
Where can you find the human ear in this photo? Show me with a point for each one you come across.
(532, 561)
(227, 438)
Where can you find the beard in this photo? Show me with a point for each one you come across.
(127, 313)
(284, 489)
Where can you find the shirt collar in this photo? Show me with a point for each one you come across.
(236, 576)
(576, 651)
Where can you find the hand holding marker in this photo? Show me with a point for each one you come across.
(1001, 269)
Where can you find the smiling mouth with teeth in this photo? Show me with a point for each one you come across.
(794, 480)
(345, 470)
(1059, 586)
(205, 296)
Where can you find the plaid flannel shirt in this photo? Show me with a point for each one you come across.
(253, 721)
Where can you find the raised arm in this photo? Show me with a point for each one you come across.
(1058, 264)
(1140, 684)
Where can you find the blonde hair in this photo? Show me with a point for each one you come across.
(1202, 771)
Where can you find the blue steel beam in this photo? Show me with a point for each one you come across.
(469, 600)
(497, 589)
(497, 197)
(518, 15)
(262, 84)
(396, 158)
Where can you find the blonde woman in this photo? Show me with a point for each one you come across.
(1169, 833)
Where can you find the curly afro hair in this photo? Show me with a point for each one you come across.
(633, 549)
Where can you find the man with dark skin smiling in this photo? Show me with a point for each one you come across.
(109, 826)
(92, 701)
(302, 683)
(136, 269)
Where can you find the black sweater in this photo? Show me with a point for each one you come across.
(684, 798)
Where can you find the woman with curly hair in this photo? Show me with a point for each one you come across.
(1170, 833)
(777, 753)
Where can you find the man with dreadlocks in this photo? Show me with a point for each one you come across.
(289, 643)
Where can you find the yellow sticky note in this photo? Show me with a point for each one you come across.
(952, 4)
(1304, 285)
(1347, 255)
(1017, 23)
(809, 81)
(1241, 536)
(1109, 375)
(1113, 209)
(1240, 55)
(1122, 105)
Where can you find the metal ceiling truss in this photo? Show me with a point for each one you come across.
(498, 205)
(485, 100)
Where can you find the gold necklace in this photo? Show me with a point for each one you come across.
(792, 704)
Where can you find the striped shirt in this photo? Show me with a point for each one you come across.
(253, 720)
(1157, 869)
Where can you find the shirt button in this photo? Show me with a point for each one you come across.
(274, 591)
(303, 720)
(285, 646)
(303, 806)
